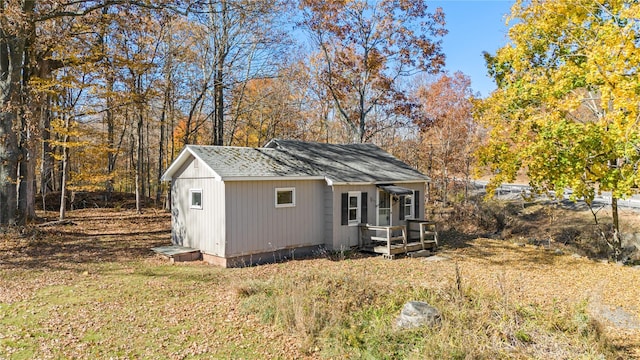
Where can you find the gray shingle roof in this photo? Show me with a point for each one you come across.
(350, 163)
(229, 161)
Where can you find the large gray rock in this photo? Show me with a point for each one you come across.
(630, 240)
(415, 314)
(630, 247)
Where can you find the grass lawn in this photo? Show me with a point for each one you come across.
(94, 290)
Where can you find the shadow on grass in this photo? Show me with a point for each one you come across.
(102, 237)
(472, 246)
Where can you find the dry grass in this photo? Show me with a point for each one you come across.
(94, 290)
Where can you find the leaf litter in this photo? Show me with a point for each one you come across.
(94, 289)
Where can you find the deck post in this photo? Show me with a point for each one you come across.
(404, 237)
(389, 240)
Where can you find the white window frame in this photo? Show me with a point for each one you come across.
(358, 208)
(293, 197)
(382, 193)
(409, 215)
(191, 204)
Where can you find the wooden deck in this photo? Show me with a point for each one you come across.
(389, 241)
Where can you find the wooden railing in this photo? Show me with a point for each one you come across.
(391, 240)
(389, 233)
(427, 231)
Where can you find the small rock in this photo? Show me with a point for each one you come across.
(435, 258)
(576, 256)
(558, 252)
(519, 244)
(415, 314)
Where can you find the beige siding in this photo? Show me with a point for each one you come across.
(194, 169)
(204, 228)
(345, 236)
(421, 187)
(328, 216)
(255, 225)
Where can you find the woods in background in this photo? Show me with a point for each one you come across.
(101, 95)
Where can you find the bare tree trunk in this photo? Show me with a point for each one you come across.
(218, 90)
(27, 185)
(8, 170)
(138, 164)
(616, 241)
(65, 171)
(161, 154)
(46, 157)
(445, 183)
(111, 140)
(147, 163)
(12, 60)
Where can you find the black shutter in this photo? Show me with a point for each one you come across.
(345, 209)
(401, 207)
(363, 211)
(416, 211)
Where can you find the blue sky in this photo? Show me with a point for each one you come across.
(474, 27)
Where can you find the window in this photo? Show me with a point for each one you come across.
(285, 197)
(384, 208)
(196, 198)
(354, 207)
(408, 206)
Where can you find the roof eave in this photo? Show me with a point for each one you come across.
(331, 182)
(272, 178)
(181, 160)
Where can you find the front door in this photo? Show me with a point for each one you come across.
(384, 208)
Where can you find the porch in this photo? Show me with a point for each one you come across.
(389, 241)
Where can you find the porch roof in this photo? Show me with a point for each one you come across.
(395, 190)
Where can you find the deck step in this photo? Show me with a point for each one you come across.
(177, 253)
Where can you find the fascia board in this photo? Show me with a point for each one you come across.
(181, 159)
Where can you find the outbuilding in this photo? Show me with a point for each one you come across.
(241, 206)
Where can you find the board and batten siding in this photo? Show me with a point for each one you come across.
(346, 236)
(328, 216)
(420, 188)
(254, 225)
(202, 229)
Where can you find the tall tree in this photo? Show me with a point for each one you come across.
(30, 33)
(447, 127)
(16, 31)
(566, 108)
(246, 41)
(366, 46)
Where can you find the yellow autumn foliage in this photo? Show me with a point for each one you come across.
(567, 105)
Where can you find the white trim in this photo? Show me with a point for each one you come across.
(271, 178)
(378, 191)
(357, 195)
(332, 183)
(293, 197)
(411, 214)
(181, 160)
(191, 205)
